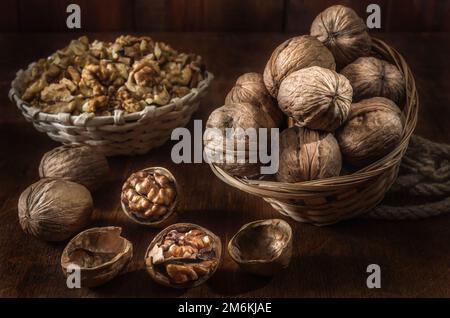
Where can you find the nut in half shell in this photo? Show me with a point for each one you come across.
(183, 255)
(250, 88)
(372, 77)
(78, 163)
(317, 98)
(100, 253)
(54, 209)
(292, 55)
(373, 129)
(262, 247)
(343, 32)
(150, 196)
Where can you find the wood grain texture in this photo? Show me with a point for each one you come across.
(327, 261)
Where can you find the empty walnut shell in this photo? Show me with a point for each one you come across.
(317, 98)
(343, 32)
(219, 146)
(150, 197)
(307, 154)
(54, 209)
(373, 129)
(292, 55)
(100, 253)
(183, 255)
(262, 247)
(250, 88)
(79, 163)
(372, 77)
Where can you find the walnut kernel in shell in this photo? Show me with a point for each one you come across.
(101, 254)
(150, 196)
(373, 129)
(250, 88)
(372, 77)
(317, 98)
(79, 163)
(183, 255)
(307, 154)
(343, 32)
(54, 209)
(292, 55)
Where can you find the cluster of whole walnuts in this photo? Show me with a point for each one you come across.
(99, 77)
(342, 103)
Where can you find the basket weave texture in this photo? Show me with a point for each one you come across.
(328, 201)
(119, 134)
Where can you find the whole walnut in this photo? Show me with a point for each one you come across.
(316, 98)
(250, 88)
(343, 32)
(307, 154)
(292, 55)
(54, 209)
(373, 129)
(78, 163)
(235, 152)
(372, 77)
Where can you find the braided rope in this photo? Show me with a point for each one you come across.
(425, 173)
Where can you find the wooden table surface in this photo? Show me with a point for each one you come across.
(328, 262)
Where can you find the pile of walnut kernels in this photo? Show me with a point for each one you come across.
(100, 77)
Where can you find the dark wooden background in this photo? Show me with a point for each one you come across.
(213, 15)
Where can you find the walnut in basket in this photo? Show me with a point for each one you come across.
(250, 88)
(292, 55)
(373, 129)
(372, 77)
(307, 154)
(343, 32)
(235, 151)
(316, 98)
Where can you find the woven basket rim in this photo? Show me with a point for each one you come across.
(90, 119)
(276, 189)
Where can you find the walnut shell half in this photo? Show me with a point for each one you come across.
(150, 197)
(343, 32)
(292, 55)
(262, 247)
(373, 129)
(100, 253)
(372, 77)
(78, 163)
(183, 255)
(250, 88)
(54, 209)
(307, 154)
(317, 98)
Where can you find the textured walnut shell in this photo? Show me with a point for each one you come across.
(262, 247)
(317, 98)
(307, 154)
(250, 88)
(101, 254)
(373, 129)
(154, 257)
(236, 115)
(54, 209)
(343, 32)
(372, 77)
(170, 213)
(292, 55)
(80, 164)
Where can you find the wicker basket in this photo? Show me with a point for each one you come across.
(119, 134)
(331, 200)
